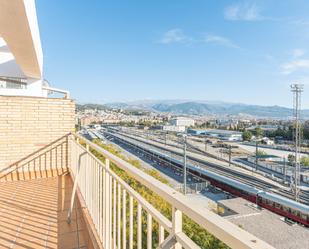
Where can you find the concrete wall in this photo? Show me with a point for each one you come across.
(29, 123)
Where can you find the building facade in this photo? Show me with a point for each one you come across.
(182, 121)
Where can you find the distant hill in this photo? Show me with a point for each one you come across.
(214, 108)
(81, 107)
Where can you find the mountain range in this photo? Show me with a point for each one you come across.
(210, 108)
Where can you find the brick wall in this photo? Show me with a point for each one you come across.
(29, 123)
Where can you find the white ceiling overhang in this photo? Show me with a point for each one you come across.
(20, 49)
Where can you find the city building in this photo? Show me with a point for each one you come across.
(225, 135)
(267, 141)
(182, 121)
(174, 128)
(227, 122)
(267, 127)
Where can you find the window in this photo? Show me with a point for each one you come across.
(13, 83)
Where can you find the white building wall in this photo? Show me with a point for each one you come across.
(175, 128)
(33, 89)
(182, 122)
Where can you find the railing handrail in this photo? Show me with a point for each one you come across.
(30, 155)
(167, 224)
(57, 90)
(225, 231)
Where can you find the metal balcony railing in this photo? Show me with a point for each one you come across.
(120, 214)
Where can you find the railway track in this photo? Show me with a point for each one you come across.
(232, 174)
(303, 193)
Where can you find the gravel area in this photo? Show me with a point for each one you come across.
(266, 225)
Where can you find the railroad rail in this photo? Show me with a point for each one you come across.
(230, 173)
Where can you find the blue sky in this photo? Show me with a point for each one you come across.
(233, 51)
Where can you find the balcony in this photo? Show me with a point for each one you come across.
(62, 191)
(73, 194)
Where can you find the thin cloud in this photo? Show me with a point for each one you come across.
(178, 36)
(300, 22)
(296, 53)
(243, 12)
(175, 36)
(220, 40)
(294, 66)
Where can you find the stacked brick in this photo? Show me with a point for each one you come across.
(28, 124)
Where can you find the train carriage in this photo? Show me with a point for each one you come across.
(283, 206)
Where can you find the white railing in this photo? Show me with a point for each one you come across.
(57, 90)
(120, 214)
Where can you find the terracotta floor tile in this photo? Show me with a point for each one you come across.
(68, 240)
(33, 215)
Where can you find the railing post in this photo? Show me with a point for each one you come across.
(177, 224)
(161, 234)
(67, 154)
(124, 219)
(75, 187)
(139, 226)
(119, 217)
(171, 241)
(131, 223)
(114, 212)
(107, 206)
(149, 231)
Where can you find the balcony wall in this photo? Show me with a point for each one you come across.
(29, 123)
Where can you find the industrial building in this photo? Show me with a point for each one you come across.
(220, 134)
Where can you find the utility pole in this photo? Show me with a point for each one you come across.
(297, 89)
(230, 154)
(205, 144)
(284, 169)
(165, 138)
(185, 165)
(256, 154)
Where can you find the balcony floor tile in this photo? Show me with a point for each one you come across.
(33, 215)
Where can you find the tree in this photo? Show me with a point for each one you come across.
(258, 132)
(304, 160)
(246, 135)
(291, 158)
(261, 153)
(198, 234)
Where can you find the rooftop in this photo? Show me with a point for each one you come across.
(219, 132)
(262, 223)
